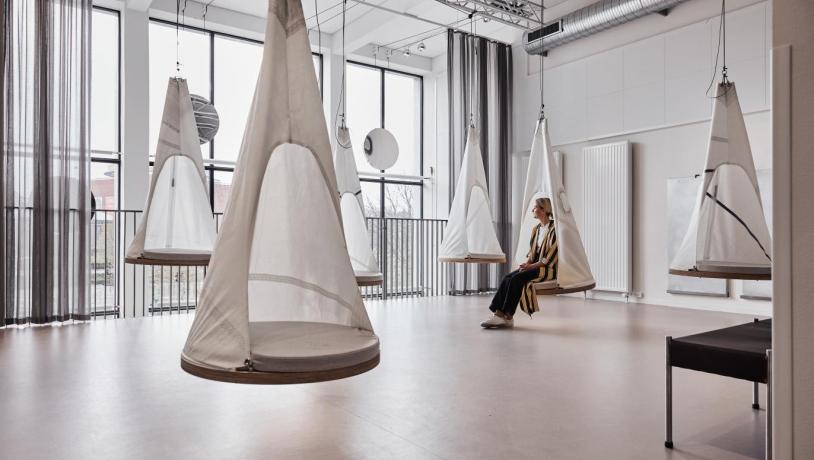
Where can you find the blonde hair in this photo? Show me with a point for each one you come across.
(545, 205)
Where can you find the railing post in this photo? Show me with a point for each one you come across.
(383, 254)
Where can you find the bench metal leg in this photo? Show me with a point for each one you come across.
(668, 425)
(755, 395)
(769, 404)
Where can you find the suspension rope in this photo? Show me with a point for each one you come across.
(723, 26)
(342, 95)
(319, 31)
(542, 86)
(177, 38)
(721, 44)
(472, 68)
(340, 110)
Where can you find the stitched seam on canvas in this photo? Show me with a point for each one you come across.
(300, 283)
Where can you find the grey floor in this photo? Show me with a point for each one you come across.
(582, 380)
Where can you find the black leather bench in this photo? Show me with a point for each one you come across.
(741, 352)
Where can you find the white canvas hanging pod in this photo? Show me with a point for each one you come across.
(543, 181)
(280, 302)
(353, 218)
(177, 226)
(469, 235)
(728, 236)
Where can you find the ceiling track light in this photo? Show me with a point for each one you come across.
(421, 47)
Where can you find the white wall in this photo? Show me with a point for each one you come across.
(793, 337)
(135, 108)
(646, 84)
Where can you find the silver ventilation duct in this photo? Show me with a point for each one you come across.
(590, 20)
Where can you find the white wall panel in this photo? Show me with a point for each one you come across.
(750, 77)
(644, 62)
(745, 33)
(570, 104)
(683, 101)
(643, 106)
(604, 73)
(603, 114)
(687, 50)
(663, 79)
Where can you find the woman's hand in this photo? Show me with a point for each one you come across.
(530, 266)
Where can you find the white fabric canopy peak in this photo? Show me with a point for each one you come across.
(353, 218)
(544, 181)
(728, 232)
(280, 258)
(177, 224)
(470, 231)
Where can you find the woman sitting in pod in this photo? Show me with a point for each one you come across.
(518, 286)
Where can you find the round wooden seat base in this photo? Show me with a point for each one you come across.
(558, 290)
(366, 282)
(722, 275)
(173, 262)
(277, 378)
(472, 260)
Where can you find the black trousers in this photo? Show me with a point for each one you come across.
(510, 290)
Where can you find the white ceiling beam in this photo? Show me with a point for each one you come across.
(398, 61)
(365, 29)
(139, 5)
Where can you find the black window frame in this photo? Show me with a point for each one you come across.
(383, 182)
(213, 168)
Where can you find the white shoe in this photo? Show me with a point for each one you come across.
(496, 322)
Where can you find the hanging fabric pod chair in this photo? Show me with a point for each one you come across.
(357, 238)
(543, 181)
(728, 236)
(177, 227)
(280, 302)
(469, 235)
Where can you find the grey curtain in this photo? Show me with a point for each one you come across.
(480, 82)
(45, 160)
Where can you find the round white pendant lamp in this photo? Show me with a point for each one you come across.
(381, 149)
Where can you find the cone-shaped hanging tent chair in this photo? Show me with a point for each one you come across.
(728, 236)
(353, 218)
(469, 235)
(280, 302)
(543, 181)
(177, 227)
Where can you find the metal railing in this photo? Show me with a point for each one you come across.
(407, 251)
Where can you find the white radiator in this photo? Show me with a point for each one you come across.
(608, 209)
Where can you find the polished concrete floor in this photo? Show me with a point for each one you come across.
(582, 380)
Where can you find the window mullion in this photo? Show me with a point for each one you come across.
(382, 112)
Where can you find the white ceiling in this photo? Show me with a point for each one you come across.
(367, 25)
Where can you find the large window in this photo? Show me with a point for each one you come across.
(220, 67)
(105, 144)
(105, 141)
(383, 98)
